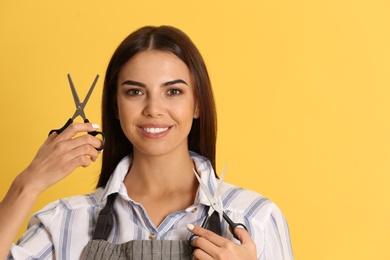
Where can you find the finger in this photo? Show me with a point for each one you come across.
(85, 139)
(245, 238)
(50, 138)
(242, 235)
(83, 161)
(75, 152)
(82, 156)
(200, 254)
(75, 128)
(208, 242)
(80, 146)
(84, 151)
(207, 234)
(201, 244)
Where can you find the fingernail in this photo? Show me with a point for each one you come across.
(190, 227)
(96, 126)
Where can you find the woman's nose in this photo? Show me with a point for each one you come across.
(154, 106)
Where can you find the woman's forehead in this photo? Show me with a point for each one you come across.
(152, 65)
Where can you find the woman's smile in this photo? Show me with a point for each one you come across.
(154, 131)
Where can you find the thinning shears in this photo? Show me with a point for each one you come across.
(215, 204)
(80, 110)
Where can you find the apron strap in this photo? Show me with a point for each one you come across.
(105, 221)
(214, 223)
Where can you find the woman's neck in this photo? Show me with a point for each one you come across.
(161, 174)
(162, 184)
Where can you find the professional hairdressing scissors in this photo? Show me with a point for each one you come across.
(80, 110)
(215, 204)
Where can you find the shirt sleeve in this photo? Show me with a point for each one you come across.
(277, 244)
(35, 243)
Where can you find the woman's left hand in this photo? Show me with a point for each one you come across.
(209, 245)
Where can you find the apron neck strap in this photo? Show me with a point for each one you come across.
(105, 221)
(214, 223)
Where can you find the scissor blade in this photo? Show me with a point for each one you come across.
(214, 204)
(216, 195)
(74, 92)
(90, 91)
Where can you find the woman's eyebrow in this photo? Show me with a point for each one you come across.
(133, 83)
(173, 82)
(165, 84)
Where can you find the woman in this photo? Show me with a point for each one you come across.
(160, 124)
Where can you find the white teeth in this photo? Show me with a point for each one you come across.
(155, 130)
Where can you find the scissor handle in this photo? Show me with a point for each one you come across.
(59, 131)
(233, 225)
(95, 133)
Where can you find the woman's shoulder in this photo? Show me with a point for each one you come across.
(81, 204)
(78, 201)
(247, 202)
(235, 193)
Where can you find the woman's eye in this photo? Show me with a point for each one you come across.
(174, 92)
(134, 92)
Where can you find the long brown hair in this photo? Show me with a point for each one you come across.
(202, 137)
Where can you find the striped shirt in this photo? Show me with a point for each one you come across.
(63, 228)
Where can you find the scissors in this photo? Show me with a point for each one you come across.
(80, 111)
(216, 205)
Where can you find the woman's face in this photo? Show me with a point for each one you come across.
(156, 103)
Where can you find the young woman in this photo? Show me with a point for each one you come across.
(160, 123)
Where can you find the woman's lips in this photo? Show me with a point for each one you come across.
(154, 131)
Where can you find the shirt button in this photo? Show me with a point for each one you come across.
(152, 236)
(194, 209)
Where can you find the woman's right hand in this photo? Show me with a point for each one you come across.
(60, 155)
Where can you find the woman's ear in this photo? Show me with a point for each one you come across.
(196, 112)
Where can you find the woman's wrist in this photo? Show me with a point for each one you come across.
(25, 185)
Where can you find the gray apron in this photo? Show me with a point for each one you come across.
(100, 249)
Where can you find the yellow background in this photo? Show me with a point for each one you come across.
(302, 90)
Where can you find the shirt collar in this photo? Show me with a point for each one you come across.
(202, 165)
(205, 170)
(115, 183)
